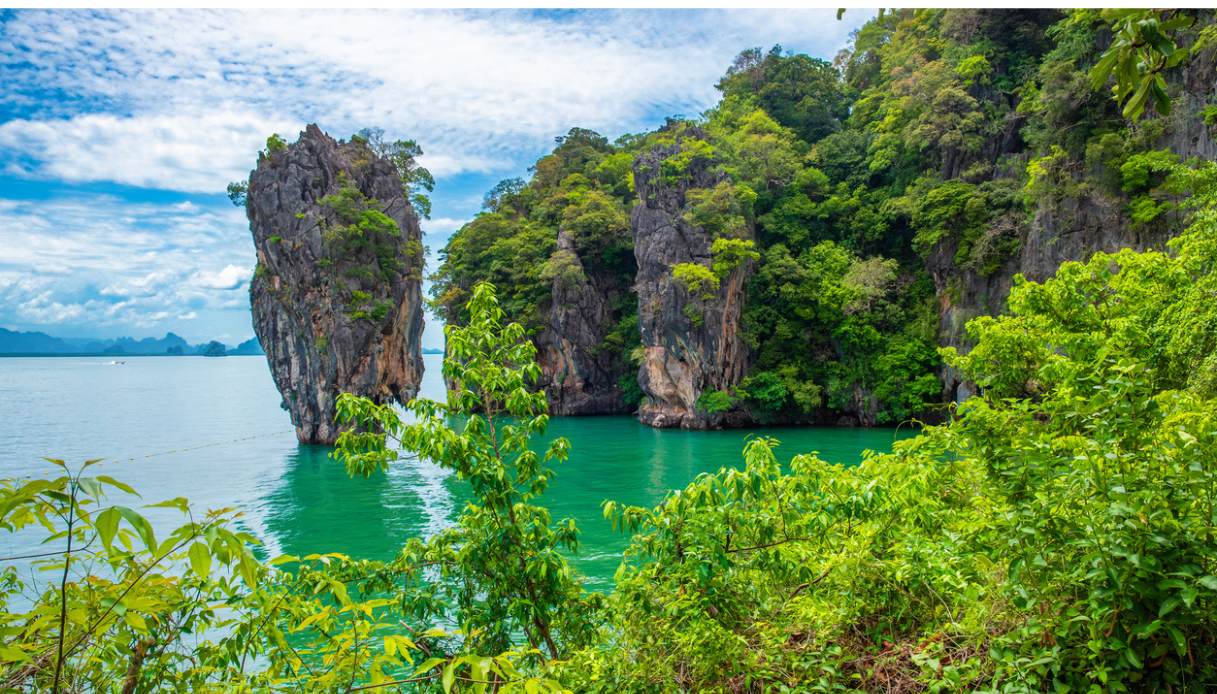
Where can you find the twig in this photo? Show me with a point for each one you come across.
(63, 587)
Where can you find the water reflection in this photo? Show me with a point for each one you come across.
(317, 507)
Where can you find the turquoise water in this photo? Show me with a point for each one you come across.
(212, 430)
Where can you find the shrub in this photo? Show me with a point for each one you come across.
(275, 144)
(730, 253)
(696, 279)
(715, 401)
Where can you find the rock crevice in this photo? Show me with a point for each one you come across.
(580, 373)
(691, 337)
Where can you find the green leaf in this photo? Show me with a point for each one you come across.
(1102, 69)
(180, 503)
(13, 655)
(448, 676)
(200, 559)
(106, 523)
(106, 479)
(141, 525)
(1169, 605)
(478, 668)
(136, 621)
(1178, 639)
(427, 665)
(1136, 105)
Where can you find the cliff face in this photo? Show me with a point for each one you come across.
(1070, 227)
(580, 374)
(691, 339)
(336, 296)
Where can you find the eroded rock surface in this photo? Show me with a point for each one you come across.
(691, 339)
(336, 295)
(1069, 227)
(582, 374)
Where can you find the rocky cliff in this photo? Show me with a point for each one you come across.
(1073, 224)
(336, 294)
(581, 375)
(690, 334)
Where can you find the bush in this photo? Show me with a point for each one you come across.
(715, 401)
(275, 144)
(730, 253)
(696, 279)
(1057, 535)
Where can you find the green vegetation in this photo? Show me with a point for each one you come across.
(919, 161)
(581, 190)
(500, 567)
(362, 230)
(1057, 534)
(416, 181)
(715, 401)
(1142, 49)
(238, 191)
(275, 144)
(730, 253)
(697, 280)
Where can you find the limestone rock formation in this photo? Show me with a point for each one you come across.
(579, 374)
(1072, 227)
(336, 295)
(691, 338)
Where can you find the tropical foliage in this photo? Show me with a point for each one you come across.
(1055, 533)
(927, 150)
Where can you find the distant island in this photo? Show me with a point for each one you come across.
(14, 343)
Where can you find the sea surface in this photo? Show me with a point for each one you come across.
(211, 430)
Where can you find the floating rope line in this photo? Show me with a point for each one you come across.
(277, 432)
(214, 444)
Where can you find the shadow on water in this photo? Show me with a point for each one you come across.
(316, 507)
(313, 506)
(212, 430)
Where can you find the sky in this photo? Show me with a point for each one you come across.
(119, 130)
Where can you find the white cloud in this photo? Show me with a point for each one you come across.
(105, 262)
(193, 153)
(231, 277)
(442, 225)
(183, 99)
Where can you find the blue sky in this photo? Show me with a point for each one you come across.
(120, 129)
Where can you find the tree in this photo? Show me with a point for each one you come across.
(416, 181)
(1142, 49)
(501, 564)
(238, 191)
(502, 194)
(196, 610)
(798, 91)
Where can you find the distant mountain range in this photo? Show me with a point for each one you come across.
(36, 343)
